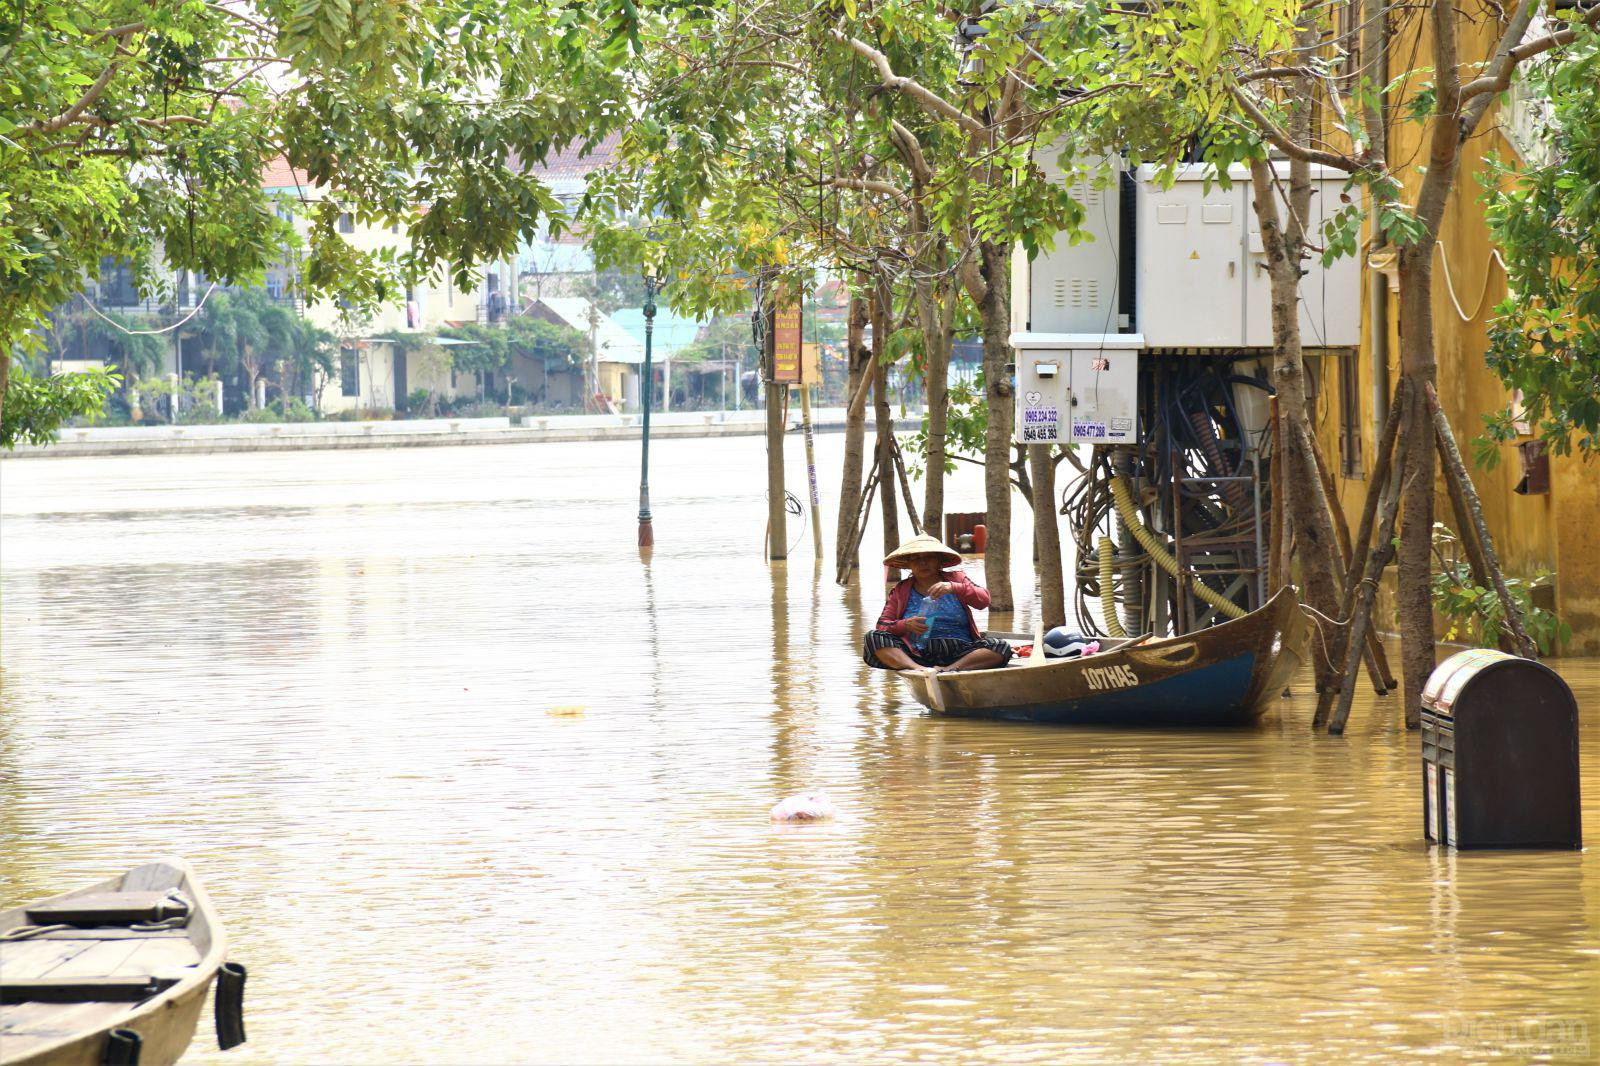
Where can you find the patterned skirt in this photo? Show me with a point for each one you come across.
(941, 651)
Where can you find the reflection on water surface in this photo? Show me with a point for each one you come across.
(328, 680)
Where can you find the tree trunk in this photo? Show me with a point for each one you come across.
(1047, 535)
(1415, 599)
(1372, 569)
(996, 311)
(885, 421)
(857, 360)
(937, 318)
(5, 375)
(1305, 504)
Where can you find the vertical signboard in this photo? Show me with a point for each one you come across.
(786, 345)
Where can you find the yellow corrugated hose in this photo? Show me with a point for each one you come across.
(1108, 598)
(1130, 515)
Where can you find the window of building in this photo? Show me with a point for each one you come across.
(347, 223)
(1349, 416)
(349, 372)
(116, 287)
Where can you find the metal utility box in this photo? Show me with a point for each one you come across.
(1499, 754)
(1081, 388)
(1202, 276)
(1073, 287)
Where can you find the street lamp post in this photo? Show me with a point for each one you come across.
(647, 536)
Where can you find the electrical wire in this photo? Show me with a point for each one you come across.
(152, 332)
(1488, 275)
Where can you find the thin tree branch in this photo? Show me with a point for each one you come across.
(1284, 143)
(882, 188)
(70, 115)
(911, 151)
(122, 31)
(930, 100)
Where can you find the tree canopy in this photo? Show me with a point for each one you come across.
(140, 131)
(1545, 340)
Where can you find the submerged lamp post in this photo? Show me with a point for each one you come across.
(647, 535)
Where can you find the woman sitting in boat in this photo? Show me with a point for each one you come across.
(927, 623)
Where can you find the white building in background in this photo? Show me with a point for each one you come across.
(375, 368)
(615, 353)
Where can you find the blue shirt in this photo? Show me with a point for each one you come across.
(946, 617)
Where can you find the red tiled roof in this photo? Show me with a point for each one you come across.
(278, 174)
(574, 162)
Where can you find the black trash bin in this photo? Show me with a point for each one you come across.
(1499, 754)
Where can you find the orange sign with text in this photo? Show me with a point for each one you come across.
(786, 345)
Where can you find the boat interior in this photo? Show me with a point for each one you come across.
(88, 960)
(1106, 644)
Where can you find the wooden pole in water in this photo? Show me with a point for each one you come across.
(885, 424)
(811, 469)
(1275, 578)
(777, 399)
(1366, 591)
(647, 535)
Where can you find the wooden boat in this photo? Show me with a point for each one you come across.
(114, 973)
(1222, 676)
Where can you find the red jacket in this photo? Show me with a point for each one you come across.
(971, 596)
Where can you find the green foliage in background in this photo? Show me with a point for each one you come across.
(246, 335)
(1473, 612)
(191, 401)
(1545, 339)
(37, 407)
(75, 332)
(494, 347)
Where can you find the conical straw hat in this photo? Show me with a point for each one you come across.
(923, 544)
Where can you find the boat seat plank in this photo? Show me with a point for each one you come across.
(83, 989)
(100, 959)
(107, 908)
(158, 957)
(35, 958)
(57, 1020)
(152, 877)
(20, 1017)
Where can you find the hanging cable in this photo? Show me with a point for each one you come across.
(152, 332)
(1488, 275)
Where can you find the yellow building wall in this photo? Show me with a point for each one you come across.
(614, 378)
(1558, 531)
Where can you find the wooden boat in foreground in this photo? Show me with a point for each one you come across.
(116, 973)
(1222, 676)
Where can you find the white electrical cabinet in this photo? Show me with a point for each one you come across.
(1073, 288)
(1330, 297)
(1080, 388)
(1202, 271)
(1190, 242)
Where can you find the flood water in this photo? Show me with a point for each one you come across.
(470, 783)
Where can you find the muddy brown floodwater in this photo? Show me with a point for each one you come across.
(471, 784)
